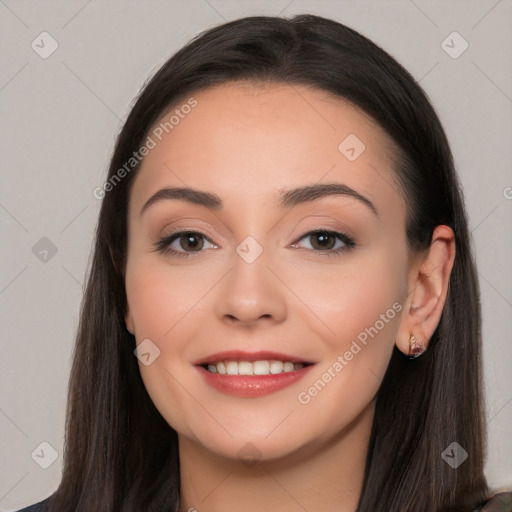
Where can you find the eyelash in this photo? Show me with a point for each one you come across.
(163, 245)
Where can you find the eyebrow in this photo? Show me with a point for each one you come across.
(288, 198)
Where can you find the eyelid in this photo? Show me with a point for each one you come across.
(199, 229)
(326, 223)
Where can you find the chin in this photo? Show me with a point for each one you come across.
(255, 442)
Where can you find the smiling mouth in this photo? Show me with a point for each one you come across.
(263, 367)
(252, 374)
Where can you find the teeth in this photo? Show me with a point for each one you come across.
(232, 368)
(253, 368)
(245, 368)
(276, 366)
(261, 367)
(288, 367)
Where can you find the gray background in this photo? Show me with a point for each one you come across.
(59, 117)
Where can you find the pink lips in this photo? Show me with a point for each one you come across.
(247, 386)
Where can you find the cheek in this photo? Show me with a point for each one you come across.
(360, 306)
(350, 300)
(165, 305)
(160, 297)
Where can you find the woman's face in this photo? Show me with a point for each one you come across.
(252, 282)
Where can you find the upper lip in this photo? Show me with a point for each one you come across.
(240, 355)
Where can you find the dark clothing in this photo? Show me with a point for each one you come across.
(36, 507)
(501, 502)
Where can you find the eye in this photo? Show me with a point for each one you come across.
(324, 241)
(190, 241)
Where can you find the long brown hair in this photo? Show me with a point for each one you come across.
(120, 454)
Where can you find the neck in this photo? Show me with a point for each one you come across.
(326, 475)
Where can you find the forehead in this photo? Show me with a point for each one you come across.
(248, 141)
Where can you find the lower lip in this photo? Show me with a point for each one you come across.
(247, 386)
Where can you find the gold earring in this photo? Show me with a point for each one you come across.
(415, 348)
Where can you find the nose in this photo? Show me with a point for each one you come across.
(251, 294)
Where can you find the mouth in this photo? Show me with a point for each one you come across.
(261, 367)
(244, 374)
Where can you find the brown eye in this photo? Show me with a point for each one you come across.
(322, 240)
(183, 242)
(190, 241)
(330, 242)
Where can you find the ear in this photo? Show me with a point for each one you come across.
(129, 322)
(428, 287)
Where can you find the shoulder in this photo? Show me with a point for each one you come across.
(500, 502)
(36, 507)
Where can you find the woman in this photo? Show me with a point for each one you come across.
(274, 370)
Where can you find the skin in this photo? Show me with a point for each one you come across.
(246, 142)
